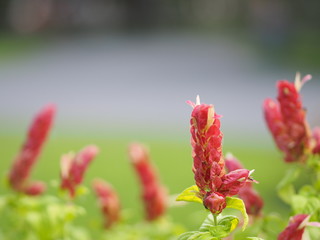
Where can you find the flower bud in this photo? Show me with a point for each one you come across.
(215, 202)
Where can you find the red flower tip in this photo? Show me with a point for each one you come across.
(31, 149)
(74, 166)
(154, 194)
(192, 104)
(298, 83)
(234, 181)
(232, 163)
(251, 198)
(295, 229)
(108, 201)
(286, 120)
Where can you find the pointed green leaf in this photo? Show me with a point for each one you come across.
(286, 193)
(285, 187)
(230, 221)
(191, 194)
(196, 235)
(254, 238)
(237, 203)
(207, 223)
(186, 235)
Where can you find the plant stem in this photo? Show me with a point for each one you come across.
(215, 219)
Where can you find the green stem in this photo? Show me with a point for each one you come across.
(215, 219)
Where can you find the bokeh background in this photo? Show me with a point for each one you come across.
(121, 71)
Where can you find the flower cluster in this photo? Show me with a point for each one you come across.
(73, 167)
(108, 201)
(286, 120)
(208, 163)
(154, 194)
(252, 200)
(28, 155)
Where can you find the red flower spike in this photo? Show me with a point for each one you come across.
(295, 229)
(154, 194)
(316, 140)
(73, 168)
(286, 120)
(206, 140)
(208, 163)
(108, 201)
(251, 198)
(31, 149)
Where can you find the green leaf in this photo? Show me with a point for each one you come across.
(226, 224)
(312, 205)
(207, 223)
(237, 203)
(191, 194)
(285, 187)
(306, 205)
(254, 238)
(230, 221)
(307, 191)
(196, 235)
(298, 203)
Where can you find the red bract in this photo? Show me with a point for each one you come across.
(251, 198)
(108, 202)
(154, 194)
(316, 140)
(286, 120)
(208, 164)
(73, 168)
(295, 229)
(23, 163)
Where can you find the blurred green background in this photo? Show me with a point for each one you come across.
(121, 71)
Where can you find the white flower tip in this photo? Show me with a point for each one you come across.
(197, 100)
(229, 155)
(298, 82)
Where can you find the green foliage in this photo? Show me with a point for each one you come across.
(237, 203)
(42, 217)
(161, 229)
(191, 194)
(213, 229)
(285, 187)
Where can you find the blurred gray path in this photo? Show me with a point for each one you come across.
(141, 83)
